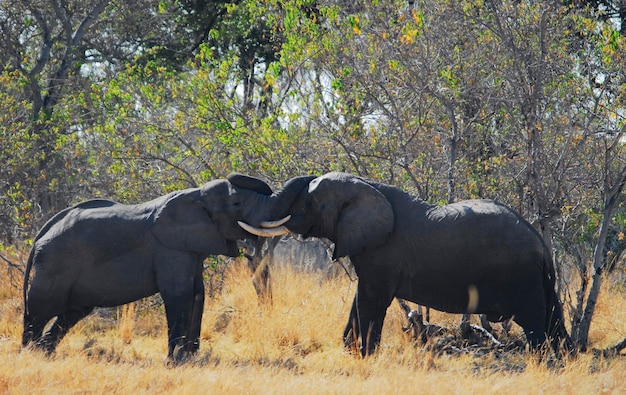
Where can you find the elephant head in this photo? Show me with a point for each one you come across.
(343, 208)
(204, 219)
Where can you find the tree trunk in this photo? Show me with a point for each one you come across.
(622, 17)
(610, 202)
(46, 100)
(582, 332)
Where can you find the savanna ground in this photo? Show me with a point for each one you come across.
(292, 345)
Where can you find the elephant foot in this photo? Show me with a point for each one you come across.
(41, 345)
(28, 339)
(182, 353)
(33, 335)
(49, 347)
(192, 347)
(177, 356)
(466, 329)
(351, 343)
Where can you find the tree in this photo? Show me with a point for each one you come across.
(604, 10)
(61, 55)
(43, 50)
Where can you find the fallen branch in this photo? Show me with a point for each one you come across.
(485, 333)
(610, 352)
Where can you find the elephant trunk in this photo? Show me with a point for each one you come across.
(279, 205)
(284, 198)
(259, 203)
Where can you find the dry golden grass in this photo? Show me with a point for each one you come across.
(290, 346)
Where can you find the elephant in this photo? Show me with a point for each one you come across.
(100, 253)
(473, 256)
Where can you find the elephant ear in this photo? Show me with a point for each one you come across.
(183, 224)
(366, 218)
(248, 182)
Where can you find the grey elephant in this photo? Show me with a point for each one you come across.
(100, 253)
(474, 256)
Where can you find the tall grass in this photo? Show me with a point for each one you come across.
(292, 345)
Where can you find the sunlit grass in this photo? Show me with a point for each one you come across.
(292, 345)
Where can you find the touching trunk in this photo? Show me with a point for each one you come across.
(281, 202)
(283, 199)
(270, 211)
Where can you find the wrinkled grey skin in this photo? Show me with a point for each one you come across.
(101, 253)
(475, 256)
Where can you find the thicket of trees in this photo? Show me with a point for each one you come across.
(521, 101)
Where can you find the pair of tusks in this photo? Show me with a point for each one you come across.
(268, 228)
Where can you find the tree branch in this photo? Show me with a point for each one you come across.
(12, 265)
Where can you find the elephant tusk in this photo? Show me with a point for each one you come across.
(279, 231)
(275, 224)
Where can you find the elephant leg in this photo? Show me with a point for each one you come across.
(178, 312)
(62, 325)
(536, 338)
(465, 327)
(373, 332)
(370, 309)
(33, 330)
(193, 336)
(485, 323)
(176, 274)
(534, 329)
(46, 300)
(351, 333)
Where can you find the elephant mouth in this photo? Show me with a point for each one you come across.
(268, 228)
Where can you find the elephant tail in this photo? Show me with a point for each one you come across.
(31, 257)
(29, 266)
(555, 322)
